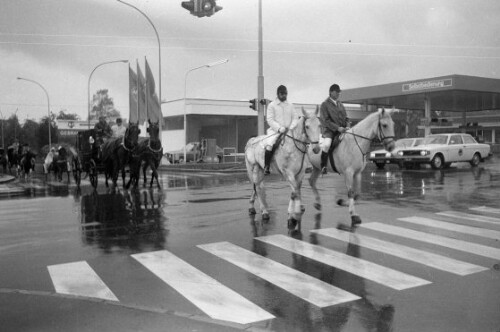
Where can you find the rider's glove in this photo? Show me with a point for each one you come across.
(282, 130)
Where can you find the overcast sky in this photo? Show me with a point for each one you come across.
(308, 45)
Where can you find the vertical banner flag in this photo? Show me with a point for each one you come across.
(141, 87)
(153, 104)
(133, 96)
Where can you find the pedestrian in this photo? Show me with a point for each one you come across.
(102, 130)
(49, 159)
(281, 117)
(334, 121)
(118, 129)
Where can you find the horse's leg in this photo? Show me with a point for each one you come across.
(154, 175)
(312, 182)
(258, 180)
(144, 170)
(251, 201)
(350, 179)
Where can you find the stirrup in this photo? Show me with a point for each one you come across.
(267, 171)
(324, 170)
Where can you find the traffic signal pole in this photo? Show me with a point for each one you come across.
(260, 79)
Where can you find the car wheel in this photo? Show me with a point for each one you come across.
(437, 162)
(380, 165)
(476, 158)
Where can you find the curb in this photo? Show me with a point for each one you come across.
(6, 178)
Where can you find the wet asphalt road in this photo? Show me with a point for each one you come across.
(49, 223)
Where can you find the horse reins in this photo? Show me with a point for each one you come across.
(380, 135)
(306, 144)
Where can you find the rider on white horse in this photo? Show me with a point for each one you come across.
(334, 121)
(281, 116)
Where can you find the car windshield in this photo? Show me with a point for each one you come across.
(404, 143)
(438, 139)
(419, 141)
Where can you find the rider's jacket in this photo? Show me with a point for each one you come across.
(332, 117)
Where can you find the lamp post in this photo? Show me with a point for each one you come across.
(260, 78)
(159, 56)
(48, 105)
(15, 124)
(213, 64)
(90, 76)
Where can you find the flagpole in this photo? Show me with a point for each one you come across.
(138, 90)
(147, 88)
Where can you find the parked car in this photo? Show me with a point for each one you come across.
(440, 150)
(382, 156)
(192, 154)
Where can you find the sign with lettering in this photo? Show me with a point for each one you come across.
(427, 85)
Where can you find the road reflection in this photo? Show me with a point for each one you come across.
(124, 220)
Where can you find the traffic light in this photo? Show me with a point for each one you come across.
(253, 104)
(201, 8)
(265, 102)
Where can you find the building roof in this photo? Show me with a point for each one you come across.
(447, 93)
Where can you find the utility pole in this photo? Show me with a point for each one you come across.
(260, 79)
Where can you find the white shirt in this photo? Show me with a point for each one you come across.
(281, 114)
(118, 131)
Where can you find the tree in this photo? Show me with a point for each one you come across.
(29, 134)
(42, 133)
(102, 104)
(65, 115)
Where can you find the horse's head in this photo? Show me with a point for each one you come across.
(132, 134)
(154, 130)
(312, 128)
(386, 129)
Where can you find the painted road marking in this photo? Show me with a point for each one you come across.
(299, 284)
(213, 298)
(469, 247)
(78, 278)
(487, 233)
(415, 255)
(365, 269)
(468, 216)
(485, 209)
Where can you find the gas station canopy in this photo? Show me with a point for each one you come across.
(445, 93)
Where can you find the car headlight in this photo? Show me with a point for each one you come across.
(372, 155)
(400, 153)
(388, 155)
(425, 152)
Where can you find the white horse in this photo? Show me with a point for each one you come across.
(288, 159)
(350, 156)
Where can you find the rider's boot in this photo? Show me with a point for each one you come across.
(267, 162)
(324, 162)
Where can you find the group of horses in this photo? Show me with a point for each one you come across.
(349, 158)
(115, 155)
(18, 159)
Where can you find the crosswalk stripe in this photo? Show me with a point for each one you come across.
(487, 233)
(485, 209)
(78, 278)
(365, 269)
(473, 248)
(299, 284)
(468, 216)
(415, 255)
(213, 298)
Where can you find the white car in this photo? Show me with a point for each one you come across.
(440, 150)
(382, 156)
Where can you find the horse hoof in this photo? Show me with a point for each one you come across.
(251, 211)
(317, 206)
(355, 220)
(344, 227)
(292, 223)
(265, 216)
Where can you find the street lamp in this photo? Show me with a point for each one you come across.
(48, 105)
(213, 64)
(90, 76)
(159, 56)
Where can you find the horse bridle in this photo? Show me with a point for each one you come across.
(380, 136)
(124, 141)
(152, 149)
(306, 142)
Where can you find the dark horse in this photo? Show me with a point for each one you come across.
(27, 162)
(117, 153)
(14, 155)
(147, 154)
